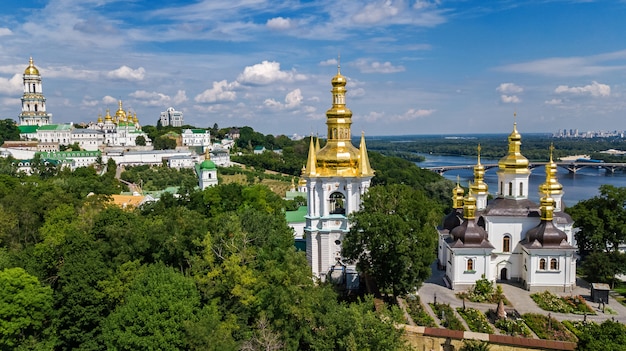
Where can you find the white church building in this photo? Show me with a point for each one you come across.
(509, 238)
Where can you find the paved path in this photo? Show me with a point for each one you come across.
(434, 288)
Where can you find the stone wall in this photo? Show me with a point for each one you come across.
(437, 339)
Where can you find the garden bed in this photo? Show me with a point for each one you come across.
(446, 315)
(484, 291)
(476, 320)
(512, 325)
(548, 328)
(566, 304)
(418, 313)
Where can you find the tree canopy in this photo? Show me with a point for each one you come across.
(393, 237)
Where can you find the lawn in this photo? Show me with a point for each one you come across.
(446, 315)
(418, 313)
(476, 320)
(548, 328)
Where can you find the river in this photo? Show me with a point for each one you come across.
(578, 186)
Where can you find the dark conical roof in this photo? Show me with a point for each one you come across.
(546, 235)
(469, 234)
(452, 219)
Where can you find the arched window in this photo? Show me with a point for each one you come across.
(521, 189)
(506, 244)
(337, 203)
(542, 264)
(470, 264)
(501, 189)
(554, 264)
(510, 188)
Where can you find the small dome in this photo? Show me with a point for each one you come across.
(31, 69)
(208, 165)
(514, 161)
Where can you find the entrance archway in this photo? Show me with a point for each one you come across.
(503, 274)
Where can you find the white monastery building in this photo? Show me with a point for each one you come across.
(509, 237)
(337, 176)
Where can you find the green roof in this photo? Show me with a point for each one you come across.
(198, 131)
(208, 164)
(64, 155)
(297, 215)
(28, 129)
(56, 127)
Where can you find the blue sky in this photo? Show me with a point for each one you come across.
(413, 67)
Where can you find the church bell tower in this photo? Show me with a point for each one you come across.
(337, 176)
(33, 102)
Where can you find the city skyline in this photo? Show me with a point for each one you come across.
(413, 67)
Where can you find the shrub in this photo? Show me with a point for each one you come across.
(484, 292)
(569, 304)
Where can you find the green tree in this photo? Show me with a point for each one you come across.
(393, 237)
(25, 307)
(609, 335)
(8, 130)
(601, 220)
(154, 313)
(164, 143)
(140, 140)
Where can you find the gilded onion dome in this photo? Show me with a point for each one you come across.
(458, 194)
(31, 69)
(469, 206)
(339, 157)
(514, 161)
(551, 185)
(99, 118)
(120, 115)
(545, 234)
(479, 186)
(107, 117)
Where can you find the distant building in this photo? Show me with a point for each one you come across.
(33, 102)
(196, 137)
(207, 173)
(259, 150)
(234, 133)
(171, 117)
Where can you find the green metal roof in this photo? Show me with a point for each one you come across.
(28, 129)
(56, 127)
(64, 155)
(297, 215)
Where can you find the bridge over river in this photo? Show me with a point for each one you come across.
(571, 167)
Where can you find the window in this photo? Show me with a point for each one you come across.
(501, 189)
(337, 203)
(542, 264)
(510, 188)
(554, 264)
(506, 244)
(521, 189)
(470, 264)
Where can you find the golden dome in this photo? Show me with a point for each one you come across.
(457, 195)
(99, 118)
(107, 117)
(31, 69)
(551, 186)
(514, 161)
(469, 206)
(479, 186)
(120, 115)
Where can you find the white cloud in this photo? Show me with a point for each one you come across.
(594, 89)
(89, 102)
(329, 62)
(553, 102)
(509, 88)
(153, 98)
(292, 99)
(180, 97)
(5, 32)
(412, 114)
(108, 100)
(576, 66)
(510, 99)
(377, 67)
(267, 72)
(221, 91)
(11, 86)
(127, 73)
(376, 12)
(279, 23)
